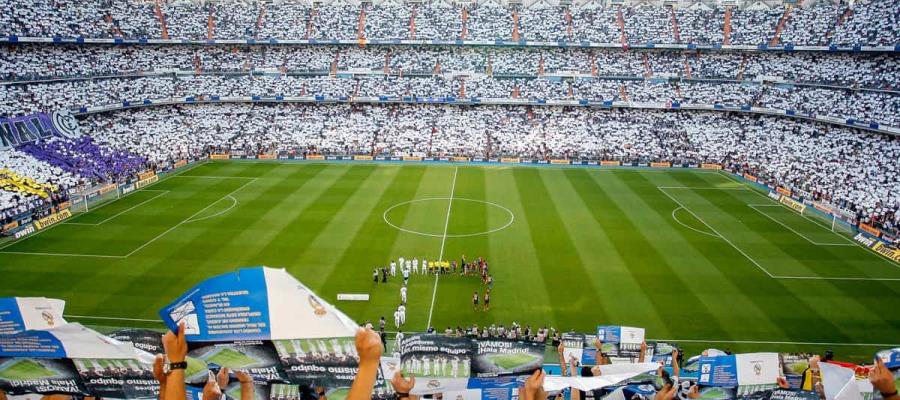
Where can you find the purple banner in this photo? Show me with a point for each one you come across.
(26, 129)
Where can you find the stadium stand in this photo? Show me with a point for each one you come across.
(839, 85)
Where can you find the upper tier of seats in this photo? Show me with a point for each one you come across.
(865, 22)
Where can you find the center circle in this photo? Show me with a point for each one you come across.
(451, 206)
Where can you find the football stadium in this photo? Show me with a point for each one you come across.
(623, 199)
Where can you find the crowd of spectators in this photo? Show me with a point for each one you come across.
(33, 62)
(860, 86)
(13, 203)
(872, 22)
(862, 105)
(854, 170)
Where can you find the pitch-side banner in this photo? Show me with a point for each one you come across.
(19, 314)
(739, 370)
(257, 303)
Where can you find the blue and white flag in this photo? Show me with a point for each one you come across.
(620, 334)
(19, 314)
(256, 303)
(890, 357)
(66, 341)
(739, 370)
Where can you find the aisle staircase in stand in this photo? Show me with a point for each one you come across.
(782, 22)
(157, 9)
(726, 31)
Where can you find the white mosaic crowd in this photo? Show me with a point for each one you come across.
(854, 169)
(869, 22)
(849, 168)
(870, 106)
(30, 62)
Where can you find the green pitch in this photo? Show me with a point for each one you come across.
(510, 362)
(230, 358)
(24, 369)
(689, 255)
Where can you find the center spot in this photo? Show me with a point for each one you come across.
(468, 217)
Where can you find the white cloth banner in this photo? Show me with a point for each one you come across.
(610, 375)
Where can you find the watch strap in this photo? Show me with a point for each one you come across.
(178, 365)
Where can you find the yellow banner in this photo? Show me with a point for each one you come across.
(145, 174)
(460, 159)
(610, 163)
(146, 182)
(51, 219)
(218, 156)
(363, 158)
(13, 182)
(412, 158)
(315, 157)
(109, 188)
(11, 225)
(870, 229)
(783, 191)
(180, 163)
(559, 162)
(794, 204)
(710, 166)
(509, 160)
(881, 248)
(63, 205)
(266, 156)
(660, 164)
(750, 178)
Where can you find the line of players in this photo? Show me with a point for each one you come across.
(409, 267)
(437, 366)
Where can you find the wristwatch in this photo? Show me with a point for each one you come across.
(172, 366)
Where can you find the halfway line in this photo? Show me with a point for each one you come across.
(443, 241)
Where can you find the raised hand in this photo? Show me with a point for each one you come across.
(368, 345)
(402, 384)
(883, 380)
(175, 345)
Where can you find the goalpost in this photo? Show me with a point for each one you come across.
(821, 214)
(88, 198)
(827, 219)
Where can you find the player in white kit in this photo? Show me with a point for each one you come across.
(403, 294)
(393, 268)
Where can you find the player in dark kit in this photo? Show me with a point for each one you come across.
(487, 299)
(475, 301)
